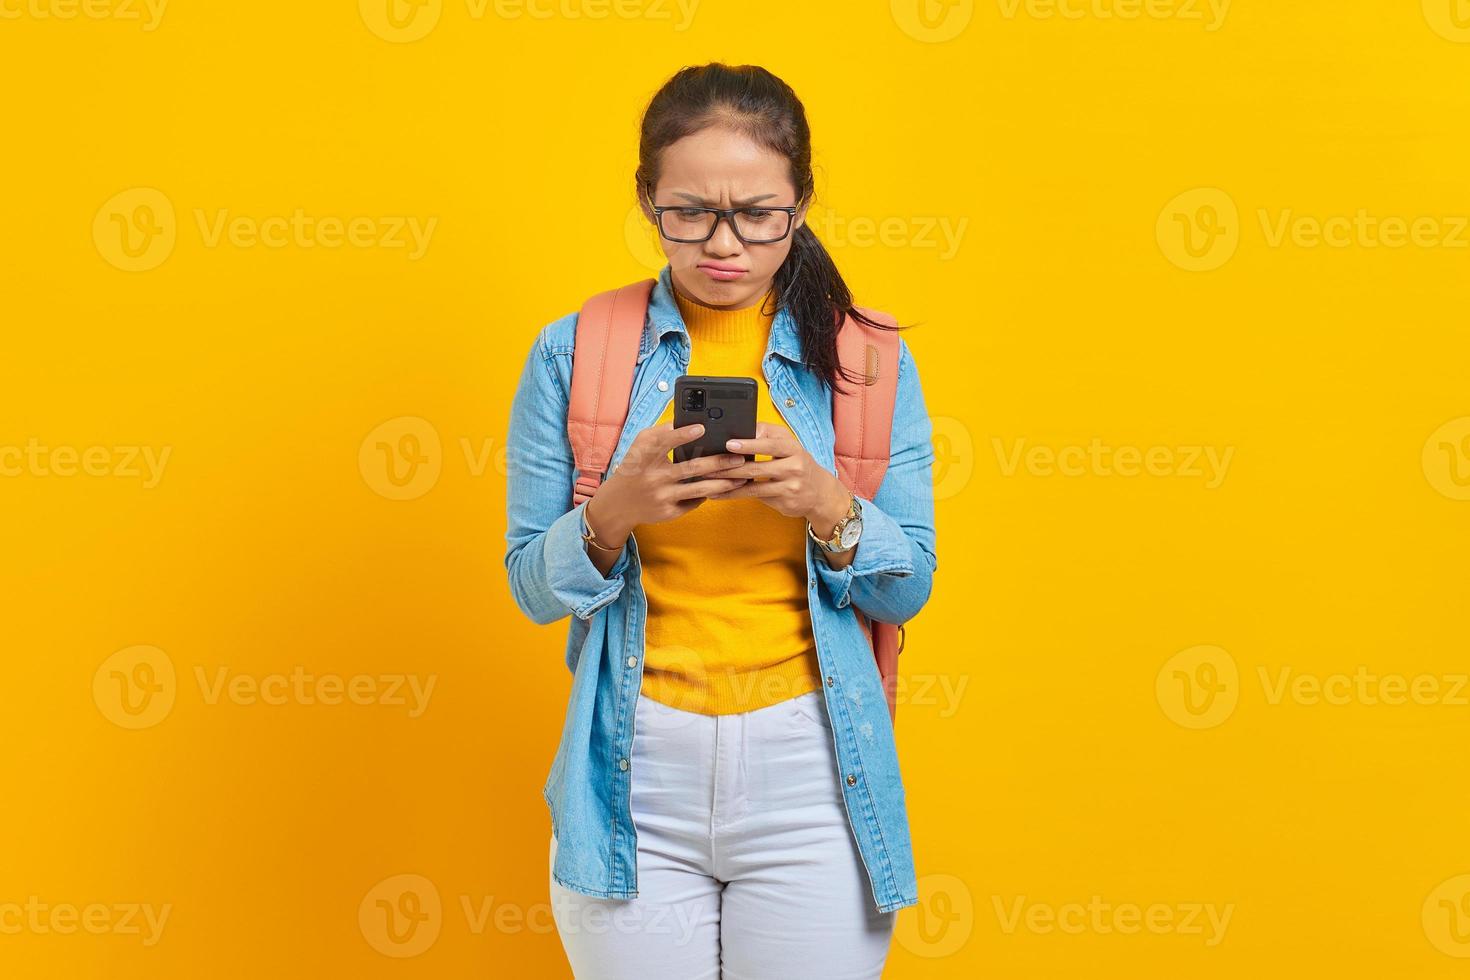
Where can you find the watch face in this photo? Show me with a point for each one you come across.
(851, 532)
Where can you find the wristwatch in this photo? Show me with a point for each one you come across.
(848, 530)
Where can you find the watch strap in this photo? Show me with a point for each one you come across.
(834, 543)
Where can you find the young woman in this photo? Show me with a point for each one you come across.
(725, 799)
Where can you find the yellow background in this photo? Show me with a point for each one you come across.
(1074, 762)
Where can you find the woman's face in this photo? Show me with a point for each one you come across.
(718, 168)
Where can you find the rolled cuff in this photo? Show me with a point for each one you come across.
(883, 549)
(570, 572)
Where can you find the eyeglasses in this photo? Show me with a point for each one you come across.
(753, 226)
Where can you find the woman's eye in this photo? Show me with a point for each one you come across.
(759, 214)
(690, 214)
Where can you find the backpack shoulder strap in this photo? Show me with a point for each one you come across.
(609, 330)
(862, 418)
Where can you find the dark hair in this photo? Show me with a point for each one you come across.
(750, 100)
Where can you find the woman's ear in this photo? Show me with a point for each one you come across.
(801, 216)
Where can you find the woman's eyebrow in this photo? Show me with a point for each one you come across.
(739, 204)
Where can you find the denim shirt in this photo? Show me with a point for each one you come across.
(551, 576)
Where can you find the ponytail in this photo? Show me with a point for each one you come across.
(809, 285)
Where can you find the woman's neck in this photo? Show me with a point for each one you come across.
(748, 324)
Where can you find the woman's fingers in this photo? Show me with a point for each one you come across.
(770, 440)
(776, 446)
(704, 488)
(751, 489)
(705, 464)
(765, 469)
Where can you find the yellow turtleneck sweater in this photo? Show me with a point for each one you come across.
(728, 625)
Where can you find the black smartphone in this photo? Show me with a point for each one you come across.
(725, 406)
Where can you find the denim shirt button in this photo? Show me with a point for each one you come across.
(790, 402)
(623, 765)
(632, 661)
(851, 779)
(830, 681)
(663, 386)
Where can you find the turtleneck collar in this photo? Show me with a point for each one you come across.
(710, 324)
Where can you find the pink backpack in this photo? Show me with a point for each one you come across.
(609, 331)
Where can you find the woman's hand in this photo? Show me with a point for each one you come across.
(791, 481)
(645, 487)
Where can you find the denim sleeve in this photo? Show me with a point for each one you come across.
(892, 574)
(551, 574)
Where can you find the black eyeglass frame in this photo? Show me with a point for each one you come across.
(727, 214)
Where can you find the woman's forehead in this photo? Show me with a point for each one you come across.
(719, 155)
(723, 180)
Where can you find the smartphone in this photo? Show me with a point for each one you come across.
(725, 406)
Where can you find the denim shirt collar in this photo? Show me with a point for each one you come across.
(664, 318)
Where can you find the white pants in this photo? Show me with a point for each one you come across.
(747, 868)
